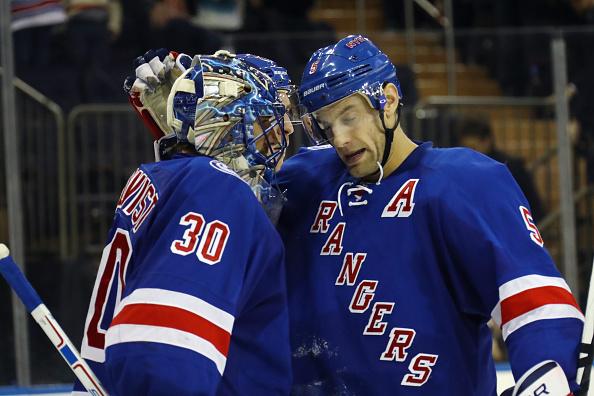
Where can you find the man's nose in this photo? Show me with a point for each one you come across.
(341, 137)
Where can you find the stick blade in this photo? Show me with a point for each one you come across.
(4, 252)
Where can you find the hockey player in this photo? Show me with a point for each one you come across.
(398, 253)
(154, 76)
(190, 293)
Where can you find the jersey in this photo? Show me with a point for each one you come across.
(391, 286)
(190, 295)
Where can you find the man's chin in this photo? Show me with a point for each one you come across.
(357, 171)
(368, 174)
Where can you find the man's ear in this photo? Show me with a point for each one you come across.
(392, 98)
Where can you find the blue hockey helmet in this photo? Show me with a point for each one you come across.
(229, 111)
(352, 65)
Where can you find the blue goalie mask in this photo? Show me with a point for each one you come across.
(231, 111)
(352, 65)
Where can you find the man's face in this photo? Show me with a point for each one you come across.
(273, 140)
(354, 128)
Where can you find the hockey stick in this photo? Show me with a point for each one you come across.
(586, 346)
(21, 286)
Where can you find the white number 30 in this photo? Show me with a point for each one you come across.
(210, 247)
(529, 222)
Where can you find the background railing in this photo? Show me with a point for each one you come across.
(106, 143)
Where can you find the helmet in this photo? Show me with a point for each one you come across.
(278, 74)
(354, 64)
(231, 112)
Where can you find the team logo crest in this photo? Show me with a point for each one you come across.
(314, 67)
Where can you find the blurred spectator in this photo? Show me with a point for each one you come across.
(134, 38)
(283, 31)
(171, 26)
(32, 24)
(91, 28)
(408, 85)
(584, 8)
(582, 119)
(581, 64)
(226, 15)
(394, 16)
(521, 62)
(476, 133)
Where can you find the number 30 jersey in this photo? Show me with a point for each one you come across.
(190, 293)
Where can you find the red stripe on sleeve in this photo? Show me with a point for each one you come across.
(175, 318)
(530, 299)
(40, 4)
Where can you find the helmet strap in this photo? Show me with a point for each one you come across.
(389, 133)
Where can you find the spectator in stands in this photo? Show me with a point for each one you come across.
(408, 84)
(530, 71)
(171, 26)
(394, 16)
(583, 120)
(289, 36)
(32, 25)
(476, 133)
(219, 15)
(92, 26)
(581, 64)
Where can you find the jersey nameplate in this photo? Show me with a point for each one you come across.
(138, 198)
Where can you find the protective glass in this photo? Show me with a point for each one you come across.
(313, 130)
(318, 134)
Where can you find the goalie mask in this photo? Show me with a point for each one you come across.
(228, 110)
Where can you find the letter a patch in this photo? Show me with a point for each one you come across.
(402, 203)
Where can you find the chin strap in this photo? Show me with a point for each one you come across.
(389, 132)
(381, 172)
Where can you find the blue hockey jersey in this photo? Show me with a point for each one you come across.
(391, 286)
(190, 295)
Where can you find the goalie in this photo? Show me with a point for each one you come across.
(190, 293)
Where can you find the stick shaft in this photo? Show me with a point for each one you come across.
(17, 281)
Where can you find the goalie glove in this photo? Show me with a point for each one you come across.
(149, 88)
(545, 378)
